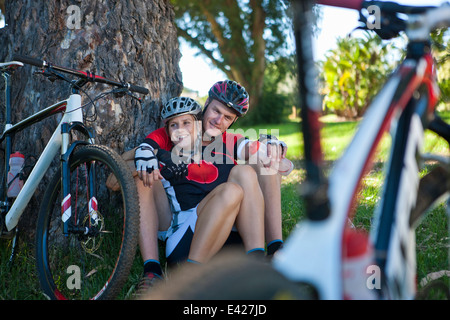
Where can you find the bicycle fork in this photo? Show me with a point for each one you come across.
(69, 223)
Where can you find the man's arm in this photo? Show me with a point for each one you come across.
(269, 152)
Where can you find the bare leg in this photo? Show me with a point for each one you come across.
(271, 189)
(154, 215)
(270, 185)
(216, 215)
(238, 201)
(250, 220)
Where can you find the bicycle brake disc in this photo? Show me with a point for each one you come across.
(91, 243)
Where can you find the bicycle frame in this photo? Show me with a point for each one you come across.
(72, 120)
(313, 253)
(58, 141)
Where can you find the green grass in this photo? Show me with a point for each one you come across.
(432, 236)
(18, 281)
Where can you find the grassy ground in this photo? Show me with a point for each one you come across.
(432, 235)
(21, 281)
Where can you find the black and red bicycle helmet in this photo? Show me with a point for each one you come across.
(231, 94)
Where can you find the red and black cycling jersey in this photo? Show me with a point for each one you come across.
(217, 160)
(159, 139)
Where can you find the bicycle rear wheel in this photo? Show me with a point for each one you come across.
(93, 266)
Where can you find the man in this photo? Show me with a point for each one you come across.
(227, 102)
(224, 97)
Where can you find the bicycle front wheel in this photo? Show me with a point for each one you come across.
(94, 265)
(230, 276)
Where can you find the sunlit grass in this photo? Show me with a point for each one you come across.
(432, 236)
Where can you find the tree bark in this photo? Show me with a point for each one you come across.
(133, 41)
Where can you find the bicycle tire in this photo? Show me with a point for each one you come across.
(88, 267)
(229, 276)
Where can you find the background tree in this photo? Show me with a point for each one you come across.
(440, 40)
(134, 41)
(353, 73)
(280, 91)
(237, 36)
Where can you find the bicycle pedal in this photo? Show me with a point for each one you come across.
(7, 235)
(435, 157)
(4, 234)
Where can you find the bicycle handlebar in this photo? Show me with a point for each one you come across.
(28, 60)
(423, 20)
(348, 4)
(387, 6)
(88, 76)
(393, 7)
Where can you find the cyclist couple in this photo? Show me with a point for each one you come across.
(192, 193)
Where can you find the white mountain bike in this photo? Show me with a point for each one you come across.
(82, 226)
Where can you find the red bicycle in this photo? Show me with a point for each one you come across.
(405, 106)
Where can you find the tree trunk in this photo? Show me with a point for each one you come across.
(133, 41)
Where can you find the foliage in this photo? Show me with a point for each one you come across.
(237, 36)
(353, 73)
(441, 50)
(280, 93)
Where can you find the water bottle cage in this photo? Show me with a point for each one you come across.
(21, 175)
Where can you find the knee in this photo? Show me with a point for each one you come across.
(232, 192)
(242, 172)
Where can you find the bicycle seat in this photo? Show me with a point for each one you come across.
(10, 66)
